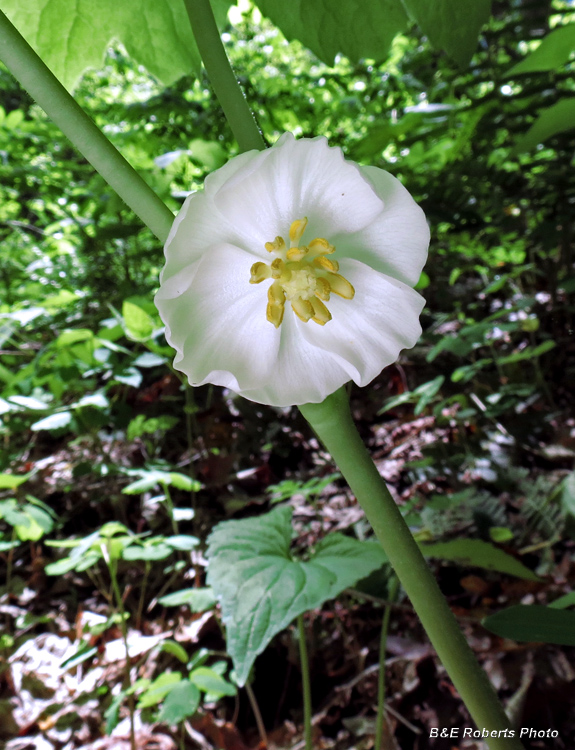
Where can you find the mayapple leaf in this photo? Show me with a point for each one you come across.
(480, 554)
(552, 53)
(534, 623)
(551, 121)
(356, 28)
(451, 25)
(73, 35)
(262, 589)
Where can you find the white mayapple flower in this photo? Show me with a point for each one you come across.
(291, 273)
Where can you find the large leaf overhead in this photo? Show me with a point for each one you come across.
(73, 35)
(262, 589)
(355, 28)
(451, 25)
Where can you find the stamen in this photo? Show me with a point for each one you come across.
(277, 246)
(296, 230)
(321, 314)
(340, 286)
(296, 253)
(303, 308)
(322, 288)
(302, 275)
(277, 267)
(321, 245)
(322, 262)
(259, 272)
(276, 303)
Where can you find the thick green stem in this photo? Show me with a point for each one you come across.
(380, 718)
(221, 75)
(59, 105)
(306, 684)
(333, 423)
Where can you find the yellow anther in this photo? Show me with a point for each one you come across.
(296, 253)
(302, 275)
(259, 272)
(330, 265)
(277, 268)
(340, 286)
(321, 314)
(322, 288)
(276, 302)
(321, 246)
(303, 308)
(276, 246)
(296, 230)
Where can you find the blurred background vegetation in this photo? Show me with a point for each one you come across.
(474, 428)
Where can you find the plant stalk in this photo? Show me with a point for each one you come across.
(333, 423)
(80, 129)
(306, 684)
(380, 718)
(225, 84)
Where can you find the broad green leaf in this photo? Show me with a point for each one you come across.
(139, 325)
(183, 542)
(552, 53)
(159, 688)
(198, 600)
(73, 35)
(176, 649)
(147, 552)
(355, 28)
(39, 523)
(551, 121)
(568, 600)
(182, 701)
(211, 682)
(53, 422)
(112, 713)
(479, 554)
(11, 481)
(451, 25)
(534, 623)
(262, 589)
(153, 478)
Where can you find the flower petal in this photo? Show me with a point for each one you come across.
(396, 243)
(293, 180)
(302, 374)
(218, 324)
(198, 223)
(367, 333)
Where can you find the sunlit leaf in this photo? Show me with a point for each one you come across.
(355, 28)
(553, 120)
(451, 25)
(198, 600)
(53, 422)
(73, 35)
(552, 53)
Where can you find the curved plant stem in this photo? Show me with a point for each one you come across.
(380, 718)
(59, 105)
(306, 684)
(333, 423)
(221, 75)
(257, 714)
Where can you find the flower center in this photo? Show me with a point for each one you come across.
(302, 275)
